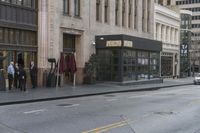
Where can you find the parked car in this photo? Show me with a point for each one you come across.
(197, 79)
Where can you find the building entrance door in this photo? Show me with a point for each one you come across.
(166, 66)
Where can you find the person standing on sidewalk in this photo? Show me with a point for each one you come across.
(16, 77)
(11, 72)
(33, 74)
(22, 78)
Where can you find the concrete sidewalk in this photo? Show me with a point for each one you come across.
(46, 94)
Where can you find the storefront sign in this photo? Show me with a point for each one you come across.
(128, 44)
(117, 43)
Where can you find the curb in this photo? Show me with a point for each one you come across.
(87, 95)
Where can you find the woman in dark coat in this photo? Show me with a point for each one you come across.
(16, 76)
(22, 78)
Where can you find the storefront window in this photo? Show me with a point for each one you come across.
(109, 65)
(154, 65)
(129, 65)
(143, 65)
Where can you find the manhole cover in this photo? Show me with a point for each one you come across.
(109, 96)
(164, 113)
(65, 105)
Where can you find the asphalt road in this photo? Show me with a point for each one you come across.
(170, 110)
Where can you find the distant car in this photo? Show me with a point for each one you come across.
(197, 79)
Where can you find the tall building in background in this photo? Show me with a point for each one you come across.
(185, 43)
(194, 7)
(167, 30)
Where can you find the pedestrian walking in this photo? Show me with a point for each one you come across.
(33, 74)
(11, 72)
(22, 78)
(16, 76)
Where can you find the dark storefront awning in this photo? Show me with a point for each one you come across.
(106, 41)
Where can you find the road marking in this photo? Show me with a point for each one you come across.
(116, 125)
(195, 101)
(35, 111)
(99, 129)
(110, 100)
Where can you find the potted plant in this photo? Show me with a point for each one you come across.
(90, 70)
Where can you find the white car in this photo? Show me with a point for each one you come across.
(197, 79)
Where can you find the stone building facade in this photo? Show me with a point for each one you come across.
(71, 26)
(167, 30)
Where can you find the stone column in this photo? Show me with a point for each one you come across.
(169, 34)
(139, 15)
(102, 11)
(133, 13)
(71, 9)
(126, 13)
(120, 13)
(164, 33)
(159, 32)
(145, 15)
(42, 39)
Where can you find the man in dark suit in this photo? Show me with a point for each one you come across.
(33, 74)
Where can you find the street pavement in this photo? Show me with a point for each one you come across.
(168, 110)
(46, 94)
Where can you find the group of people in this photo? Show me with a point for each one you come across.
(17, 74)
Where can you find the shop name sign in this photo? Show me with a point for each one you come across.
(128, 44)
(118, 43)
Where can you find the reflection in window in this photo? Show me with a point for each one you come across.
(77, 8)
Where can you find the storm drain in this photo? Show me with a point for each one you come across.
(164, 113)
(109, 95)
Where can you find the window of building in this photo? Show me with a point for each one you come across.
(143, 15)
(123, 12)
(77, 8)
(116, 11)
(130, 13)
(6, 36)
(68, 42)
(168, 2)
(106, 11)
(148, 14)
(1, 35)
(97, 10)
(27, 3)
(11, 36)
(66, 7)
